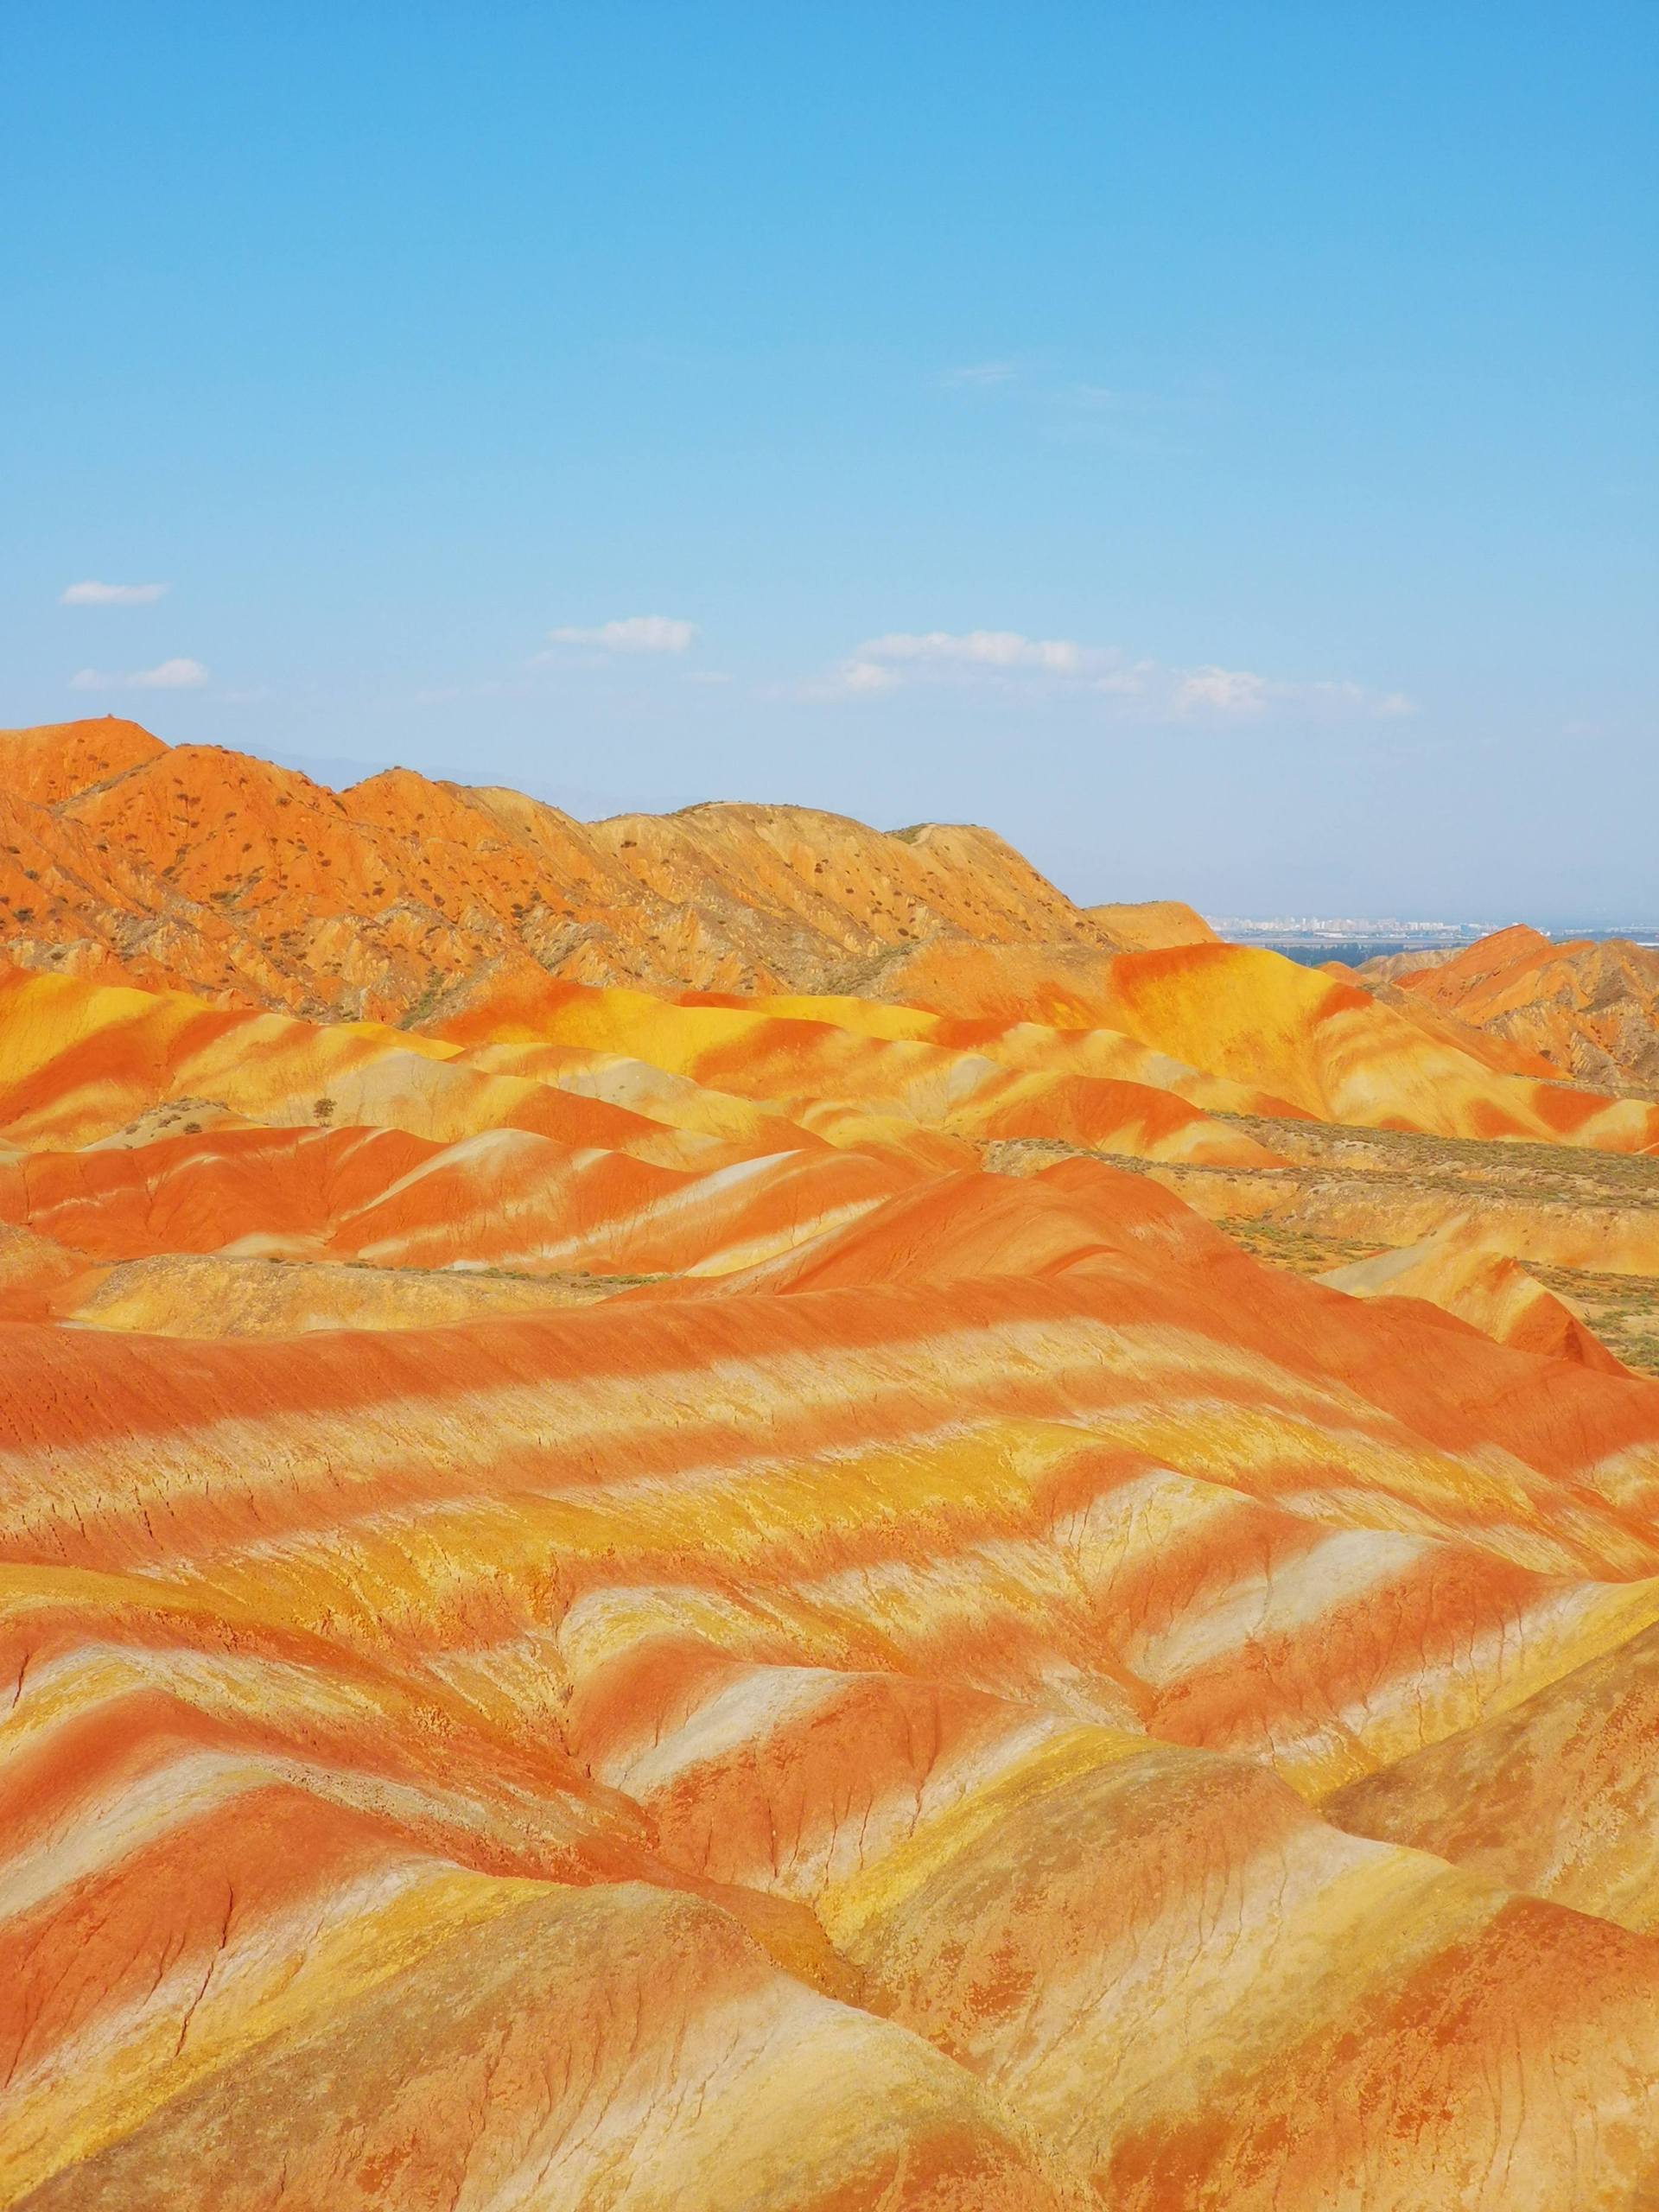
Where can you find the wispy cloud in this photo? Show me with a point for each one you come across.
(96, 594)
(1241, 694)
(1143, 689)
(632, 633)
(980, 376)
(480, 686)
(975, 649)
(1127, 418)
(853, 679)
(177, 674)
(1104, 398)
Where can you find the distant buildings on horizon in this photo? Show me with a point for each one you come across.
(1391, 934)
(1345, 925)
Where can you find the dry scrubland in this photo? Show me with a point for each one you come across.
(729, 1512)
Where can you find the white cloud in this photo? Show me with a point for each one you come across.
(851, 679)
(1223, 691)
(96, 594)
(1240, 693)
(979, 376)
(867, 676)
(177, 674)
(976, 648)
(1152, 690)
(170, 676)
(633, 634)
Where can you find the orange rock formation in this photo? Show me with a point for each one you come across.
(1590, 1009)
(1456, 1272)
(196, 867)
(594, 1614)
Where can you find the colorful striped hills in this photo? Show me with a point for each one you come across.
(750, 1572)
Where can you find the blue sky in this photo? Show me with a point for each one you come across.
(1213, 444)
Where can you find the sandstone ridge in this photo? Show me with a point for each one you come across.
(196, 867)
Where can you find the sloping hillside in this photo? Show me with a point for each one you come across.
(738, 1594)
(1589, 1008)
(194, 867)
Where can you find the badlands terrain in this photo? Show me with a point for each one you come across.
(726, 1511)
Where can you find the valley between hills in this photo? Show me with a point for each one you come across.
(725, 1510)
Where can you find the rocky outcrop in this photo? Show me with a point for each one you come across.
(1589, 1008)
(196, 867)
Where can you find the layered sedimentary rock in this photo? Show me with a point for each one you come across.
(859, 1706)
(617, 1598)
(1588, 1008)
(1455, 1271)
(196, 867)
(1557, 1796)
